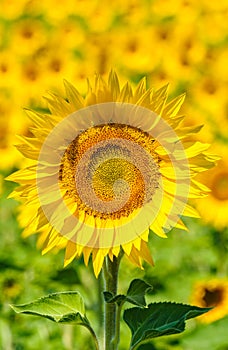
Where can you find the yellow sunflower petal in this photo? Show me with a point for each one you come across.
(58, 106)
(173, 107)
(135, 257)
(114, 85)
(98, 259)
(73, 96)
(71, 253)
(145, 253)
(86, 253)
(125, 93)
(159, 99)
(140, 90)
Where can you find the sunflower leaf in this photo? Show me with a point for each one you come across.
(64, 307)
(135, 294)
(158, 319)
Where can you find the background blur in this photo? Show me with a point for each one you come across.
(183, 42)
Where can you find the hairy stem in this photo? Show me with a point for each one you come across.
(116, 339)
(100, 304)
(93, 335)
(111, 269)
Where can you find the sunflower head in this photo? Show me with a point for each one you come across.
(213, 209)
(212, 293)
(107, 169)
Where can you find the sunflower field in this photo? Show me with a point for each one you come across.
(59, 57)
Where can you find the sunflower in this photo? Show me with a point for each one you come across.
(108, 168)
(213, 210)
(11, 122)
(211, 293)
(28, 35)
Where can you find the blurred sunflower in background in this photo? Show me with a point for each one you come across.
(214, 209)
(211, 293)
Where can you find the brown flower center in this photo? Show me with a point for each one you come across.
(213, 297)
(110, 170)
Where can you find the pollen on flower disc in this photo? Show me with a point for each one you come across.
(114, 173)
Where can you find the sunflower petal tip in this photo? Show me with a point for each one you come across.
(96, 271)
(66, 83)
(65, 263)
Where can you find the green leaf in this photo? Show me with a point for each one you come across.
(135, 294)
(65, 307)
(158, 319)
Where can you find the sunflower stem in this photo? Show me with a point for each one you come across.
(111, 269)
(116, 340)
(94, 337)
(100, 303)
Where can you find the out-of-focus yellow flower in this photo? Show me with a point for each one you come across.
(119, 174)
(52, 63)
(26, 36)
(71, 34)
(34, 8)
(211, 293)
(166, 9)
(214, 209)
(213, 93)
(9, 71)
(98, 48)
(186, 52)
(219, 64)
(134, 12)
(11, 124)
(136, 51)
(100, 20)
(2, 30)
(11, 9)
(82, 8)
(160, 76)
(213, 26)
(11, 287)
(32, 76)
(215, 7)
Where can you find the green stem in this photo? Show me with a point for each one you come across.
(116, 340)
(100, 304)
(93, 335)
(111, 269)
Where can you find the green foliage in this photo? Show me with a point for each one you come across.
(158, 319)
(135, 294)
(65, 307)
(212, 336)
